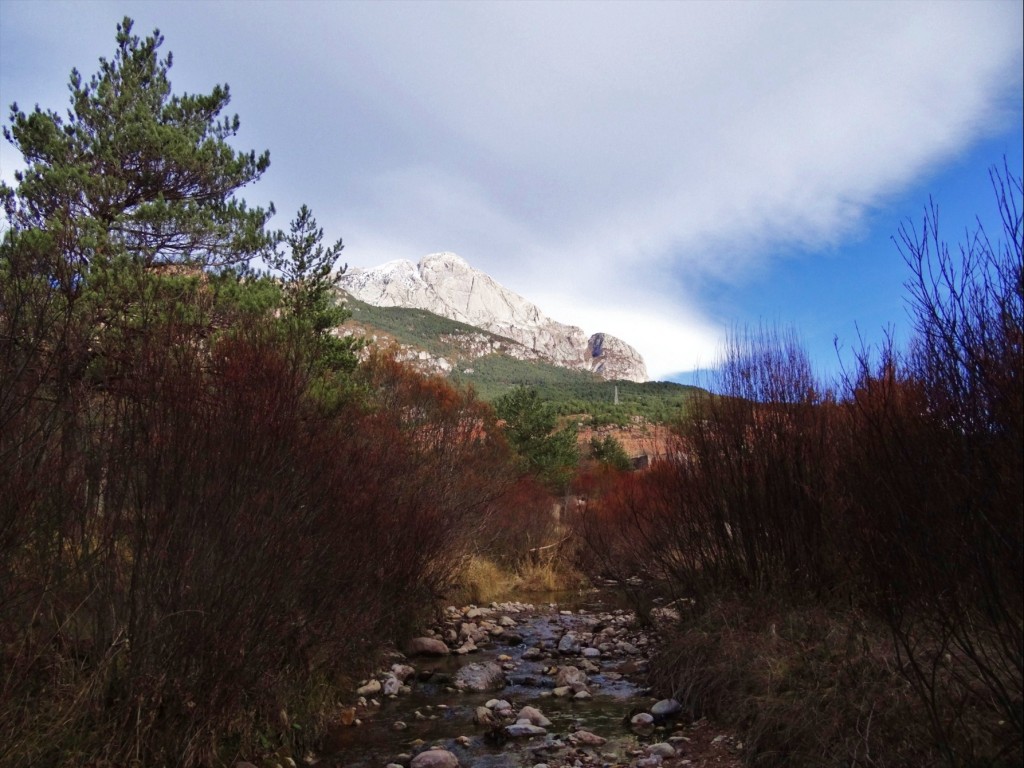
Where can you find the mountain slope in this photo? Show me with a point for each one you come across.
(494, 364)
(445, 285)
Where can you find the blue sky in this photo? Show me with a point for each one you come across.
(659, 171)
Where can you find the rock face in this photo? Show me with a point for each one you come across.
(613, 358)
(446, 285)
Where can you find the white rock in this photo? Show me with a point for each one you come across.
(642, 722)
(371, 688)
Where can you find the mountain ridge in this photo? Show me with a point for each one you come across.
(446, 285)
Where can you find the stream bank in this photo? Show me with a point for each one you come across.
(514, 684)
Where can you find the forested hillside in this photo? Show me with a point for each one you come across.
(494, 374)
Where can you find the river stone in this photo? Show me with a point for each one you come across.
(569, 644)
(534, 716)
(666, 708)
(642, 722)
(426, 646)
(480, 676)
(654, 761)
(484, 717)
(532, 653)
(524, 729)
(371, 688)
(662, 748)
(435, 758)
(591, 653)
(572, 677)
(467, 647)
(403, 672)
(587, 738)
(562, 691)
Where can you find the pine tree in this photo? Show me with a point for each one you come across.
(530, 426)
(135, 170)
(310, 281)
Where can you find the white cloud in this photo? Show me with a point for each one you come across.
(555, 144)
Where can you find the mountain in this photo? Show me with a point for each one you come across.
(445, 285)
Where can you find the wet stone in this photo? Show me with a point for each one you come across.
(549, 653)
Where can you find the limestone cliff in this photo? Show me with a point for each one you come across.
(446, 285)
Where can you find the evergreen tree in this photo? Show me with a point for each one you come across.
(530, 426)
(135, 170)
(310, 292)
(610, 451)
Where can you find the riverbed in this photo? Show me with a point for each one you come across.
(604, 718)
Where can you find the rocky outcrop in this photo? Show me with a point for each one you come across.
(612, 358)
(446, 285)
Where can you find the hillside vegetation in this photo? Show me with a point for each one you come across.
(568, 392)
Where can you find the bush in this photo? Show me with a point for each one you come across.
(901, 497)
(199, 544)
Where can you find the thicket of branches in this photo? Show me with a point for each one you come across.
(895, 494)
(211, 517)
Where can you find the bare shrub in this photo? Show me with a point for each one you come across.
(935, 466)
(206, 546)
(746, 497)
(802, 685)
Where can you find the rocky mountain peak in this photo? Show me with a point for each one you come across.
(445, 284)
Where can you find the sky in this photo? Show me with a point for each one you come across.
(666, 172)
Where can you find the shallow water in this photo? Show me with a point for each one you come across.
(434, 715)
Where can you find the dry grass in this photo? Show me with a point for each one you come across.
(550, 575)
(484, 580)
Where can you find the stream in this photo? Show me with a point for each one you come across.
(528, 646)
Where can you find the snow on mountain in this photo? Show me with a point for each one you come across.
(443, 283)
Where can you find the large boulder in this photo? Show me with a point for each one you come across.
(426, 646)
(485, 676)
(666, 708)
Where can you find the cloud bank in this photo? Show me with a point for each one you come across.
(605, 160)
